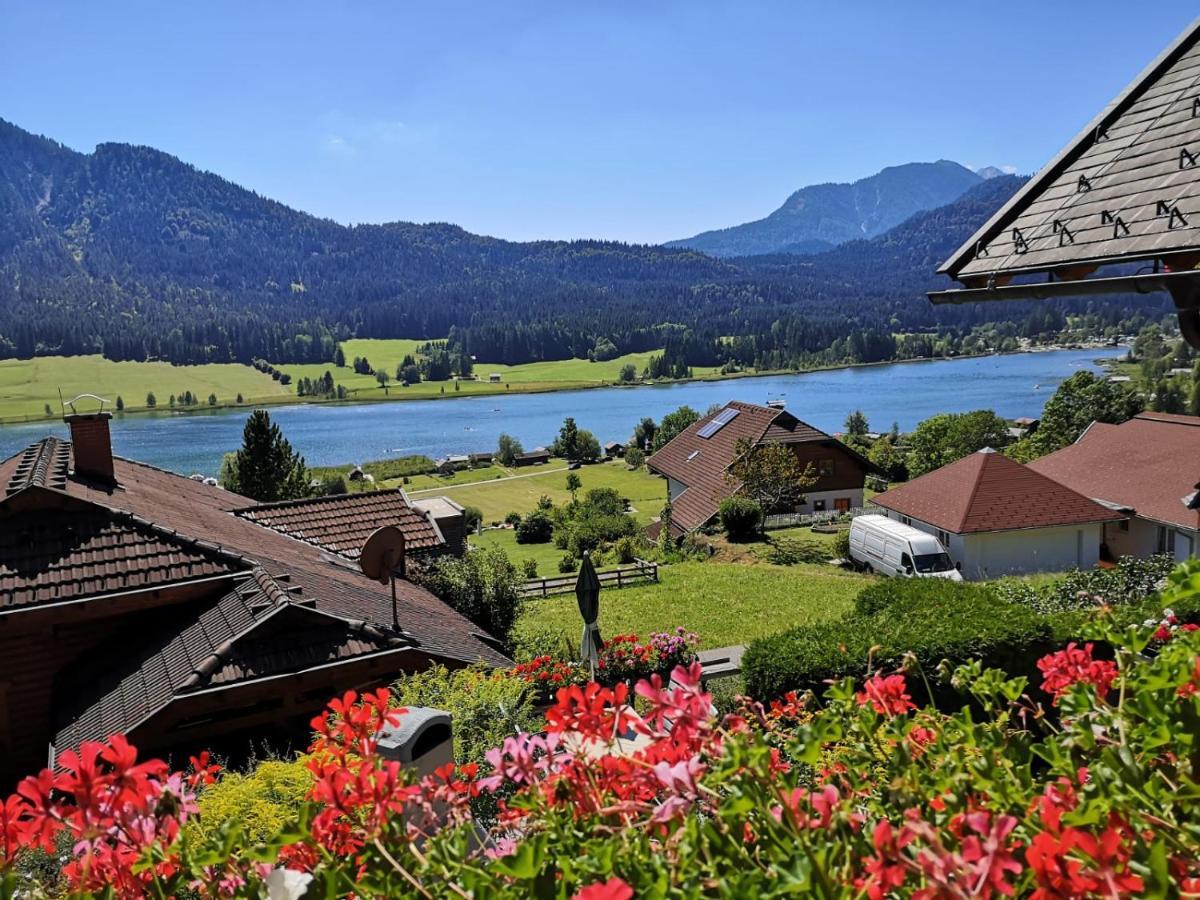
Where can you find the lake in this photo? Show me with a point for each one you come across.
(328, 434)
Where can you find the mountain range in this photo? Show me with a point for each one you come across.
(132, 253)
(821, 216)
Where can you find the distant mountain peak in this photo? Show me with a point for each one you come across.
(988, 172)
(822, 216)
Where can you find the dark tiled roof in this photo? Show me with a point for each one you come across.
(43, 464)
(1127, 187)
(987, 491)
(342, 523)
(701, 463)
(192, 508)
(52, 555)
(1150, 464)
(253, 632)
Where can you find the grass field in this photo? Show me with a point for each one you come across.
(724, 603)
(545, 555)
(386, 355)
(497, 498)
(474, 476)
(27, 385)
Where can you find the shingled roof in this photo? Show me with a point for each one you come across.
(254, 632)
(194, 511)
(1126, 189)
(699, 457)
(1150, 464)
(342, 523)
(987, 491)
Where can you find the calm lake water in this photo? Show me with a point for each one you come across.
(1013, 385)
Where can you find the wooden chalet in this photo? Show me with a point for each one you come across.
(138, 601)
(1117, 211)
(696, 463)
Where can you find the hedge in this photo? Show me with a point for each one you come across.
(933, 619)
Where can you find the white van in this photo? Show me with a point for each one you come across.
(883, 545)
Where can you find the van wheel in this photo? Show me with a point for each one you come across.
(868, 568)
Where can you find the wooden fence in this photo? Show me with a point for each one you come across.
(641, 572)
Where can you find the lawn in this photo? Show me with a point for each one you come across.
(546, 555)
(497, 498)
(27, 385)
(425, 483)
(724, 603)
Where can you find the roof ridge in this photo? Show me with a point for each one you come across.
(986, 458)
(312, 501)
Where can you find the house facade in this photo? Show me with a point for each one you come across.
(1147, 468)
(997, 517)
(696, 463)
(137, 601)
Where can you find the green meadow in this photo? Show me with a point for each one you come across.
(28, 385)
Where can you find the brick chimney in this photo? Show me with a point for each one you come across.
(91, 446)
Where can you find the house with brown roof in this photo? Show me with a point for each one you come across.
(696, 463)
(1149, 469)
(997, 517)
(139, 601)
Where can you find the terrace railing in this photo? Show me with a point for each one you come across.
(798, 520)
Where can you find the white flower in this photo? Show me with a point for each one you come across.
(287, 884)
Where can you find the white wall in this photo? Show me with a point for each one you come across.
(996, 553)
(1139, 539)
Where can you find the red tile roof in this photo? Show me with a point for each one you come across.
(987, 491)
(1150, 464)
(701, 463)
(342, 523)
(334, 584)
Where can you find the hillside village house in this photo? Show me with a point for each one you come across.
(696, 463)
(1147, 468)
(138, 601)
(997, 517)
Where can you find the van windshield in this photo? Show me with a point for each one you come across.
(933, 562)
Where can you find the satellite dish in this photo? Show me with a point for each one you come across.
(380, 558)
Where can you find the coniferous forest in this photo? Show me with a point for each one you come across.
(133, 254)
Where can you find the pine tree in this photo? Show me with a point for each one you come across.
(339, 358)
(266, 468)
(120, 403)
(151, 400)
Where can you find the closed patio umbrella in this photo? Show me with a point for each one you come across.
(587, 592)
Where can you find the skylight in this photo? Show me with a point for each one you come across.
(719, 421)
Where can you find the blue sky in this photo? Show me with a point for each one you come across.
(639, 121)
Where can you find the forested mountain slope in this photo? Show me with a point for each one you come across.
(132, 253)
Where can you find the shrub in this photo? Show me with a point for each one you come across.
(841, 544)
(472, 516)
(635, 458)
(483, 585)
(626, 550)
(484, 706)
(1130, 581)
(262, 801)
(530, 643)
(883, 592)
(567, 564)
(535, 528)
(740, 517)
(513, 519)
(529, 568)
(932, 619)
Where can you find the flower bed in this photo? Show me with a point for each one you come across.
(866, 795)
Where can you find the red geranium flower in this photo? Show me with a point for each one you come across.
(1076, 665)
(887, 694)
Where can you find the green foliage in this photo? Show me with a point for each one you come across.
(529, 568)
(889, 459)
(508, 448)
(856, 425)
(568, 564)
(261, 802)
(535, 528)
(485, 707)
(472, 517)
(592, 523)
(484, 586)
(635, 458)
(769, 474)
(947, 437)
(932, 619)
(628, 374)
(1131, 581)
(626, 549)
(673, 424)
(573, 484)
(266, 468)
(1078, 402)
(740, 517)
(841, 544)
